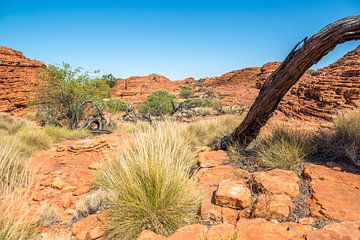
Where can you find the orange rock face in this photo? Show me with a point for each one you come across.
(323, 93)
(19, 77)
(335, 194)
(137, 88)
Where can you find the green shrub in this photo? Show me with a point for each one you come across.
(115, 106)
(58, 134)
(159, 102)
(186, 92)
(110, 80)
(148, 186)
(68, 95)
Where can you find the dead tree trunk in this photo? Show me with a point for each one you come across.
(306, 53)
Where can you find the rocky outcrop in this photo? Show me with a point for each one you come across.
(137, 88)
(19, 77)
(324, 92)
(236, 87)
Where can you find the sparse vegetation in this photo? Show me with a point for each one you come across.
(206, 132)
(15, 222)
(115, 106)
(342, 141)
(67, 94)
(284, 148)
(159, 102)
(58, 134)
(186, 92)
(90, 204)
(148, 186)
(48, 215)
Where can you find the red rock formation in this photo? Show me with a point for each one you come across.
(18, 79)
(322, 93)
(137, 88)
(236, 87)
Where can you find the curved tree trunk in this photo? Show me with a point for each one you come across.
(306, 53)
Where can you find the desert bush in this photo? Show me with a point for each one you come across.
(48, 215)
(15, 222)
(90, 204)
(206, 132)
(148, 186)
(186, 92)
(9, 125)
(67, 94)
(109, 80)
(159, 102)
(115, 106)
(58, 134)
(342, 141)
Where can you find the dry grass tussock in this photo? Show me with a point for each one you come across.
(284, 148)
(15, 221)
(342, 141)
(206, 132)
(48, 215)
(28, 138)
(148, 186)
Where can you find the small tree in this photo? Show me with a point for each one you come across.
(69, 94)
(186, 92)
(110, 80)
(159, 102)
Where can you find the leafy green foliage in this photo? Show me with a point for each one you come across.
(110, 80)
(115, 106)
(68, 93)
(159, 101)
(186, 92)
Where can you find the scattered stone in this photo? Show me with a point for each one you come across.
(233, 194)
(58, 183)
(81, 190)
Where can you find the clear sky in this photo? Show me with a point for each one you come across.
(175, 38)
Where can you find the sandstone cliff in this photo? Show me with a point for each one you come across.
(18, 79)
(324, 92)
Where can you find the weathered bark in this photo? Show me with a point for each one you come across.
(306, 53)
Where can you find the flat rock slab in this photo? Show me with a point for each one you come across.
(278, 181)
(335, 194)
(212, 158)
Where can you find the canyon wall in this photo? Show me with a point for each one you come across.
(19, 77)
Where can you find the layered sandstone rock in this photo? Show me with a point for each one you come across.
(236, 87)
(19, 77)
(137, 88)
(322, 93)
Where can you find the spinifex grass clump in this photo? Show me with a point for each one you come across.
(13, 168)
(284, 148)
(148, 186)
(342, 142)
(204, 133)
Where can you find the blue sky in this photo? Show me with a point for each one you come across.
(175, 38)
